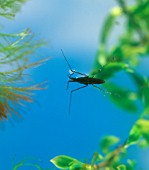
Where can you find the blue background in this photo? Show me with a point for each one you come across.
(46, 129)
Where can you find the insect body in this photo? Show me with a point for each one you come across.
(84, 79)
(87, 80)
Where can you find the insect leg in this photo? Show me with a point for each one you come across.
(80, 73)
(71, 95)
(71, 74)
(67, 85)
(104, 91)
(97, 87)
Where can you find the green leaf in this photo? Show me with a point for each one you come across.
(143, 124)
(110, 69)
(77, 166)
(143, 144)
(141, 10)
(96, 158)
(145, 98)
(8, 8)
(139, 131)
(129, 166)
(109, 24)
(107, 28)
(65, 162)
(107, 142)
(131, 163)
(143, 89)
(134, 135)
(139, 80)
(121, 167)
(122, 97)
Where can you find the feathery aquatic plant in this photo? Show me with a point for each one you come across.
(15, 58)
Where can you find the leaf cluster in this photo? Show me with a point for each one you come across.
(124, 57)
(121, 59)
(16, 56)
(8, 8)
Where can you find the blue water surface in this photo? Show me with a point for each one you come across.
(46, 129)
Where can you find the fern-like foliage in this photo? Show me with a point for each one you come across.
(8, 8)
(16, 56)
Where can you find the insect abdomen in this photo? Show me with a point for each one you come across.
(87, 80)
(95, 81)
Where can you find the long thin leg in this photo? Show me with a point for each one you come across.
(71, 74)
(80, 73)
(71, 95)
(70, 81)
(104, 91)
(67, 85)
(97, 87)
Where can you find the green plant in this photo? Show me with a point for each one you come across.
(123, 58)
(16, 51)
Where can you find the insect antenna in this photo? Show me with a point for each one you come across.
(73, 71)
(67, 61)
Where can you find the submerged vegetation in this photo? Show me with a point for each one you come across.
(28, 163)
(131, 48)
(16, 51)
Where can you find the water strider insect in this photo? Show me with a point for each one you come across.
(84, 79)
